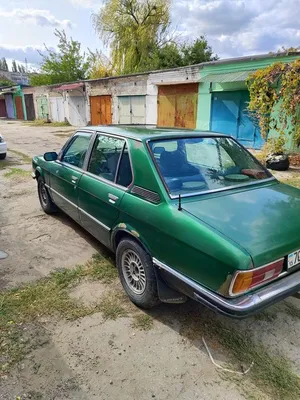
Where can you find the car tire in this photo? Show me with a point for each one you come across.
(137, 274)
(45, 200)
(2, 156)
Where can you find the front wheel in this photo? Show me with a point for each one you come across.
(45, 200)
(2, 156)
(137, 274)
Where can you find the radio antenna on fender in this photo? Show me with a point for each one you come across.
(179, 203)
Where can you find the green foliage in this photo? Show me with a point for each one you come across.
(173, 55)
(277, 85)
(66, 65)
(100, 65)
(5, 82)
(134, 29)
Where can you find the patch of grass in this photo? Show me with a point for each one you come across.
(43, 122)
(294, 181)
(273, 374)
(16, 173)
(25, 158)
(6, 163)
(270, 373)
(111, 305)
(144, 322)
(50, 297)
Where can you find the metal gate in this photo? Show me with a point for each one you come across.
(57, 109)
(3, 113)
(229, 115)
(42, 107)
(177, 106)
(29, 107)
(132, 110)
(101, 110)
(77, 110)
(19, 107)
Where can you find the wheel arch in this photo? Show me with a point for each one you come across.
(124, 231)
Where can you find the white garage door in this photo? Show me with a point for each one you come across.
(57, 109)
(132, 109)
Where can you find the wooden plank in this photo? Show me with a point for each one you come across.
(19, 107)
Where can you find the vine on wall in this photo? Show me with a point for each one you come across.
(277, 86)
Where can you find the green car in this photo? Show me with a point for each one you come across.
(188, 214)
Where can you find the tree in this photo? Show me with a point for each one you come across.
(133, 29)
(14, 66)
(5, 82)
(100, 65)
(68, 64)
(198, 52)
(3, 64)
(173, 55)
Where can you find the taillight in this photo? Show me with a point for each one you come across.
(246, 280)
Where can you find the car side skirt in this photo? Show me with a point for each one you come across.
(239, 307)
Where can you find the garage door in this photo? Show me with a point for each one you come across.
(229, 115)
(29, 107)
(177, 106)
(42, 107)
(57, 109)
(2, 108)
(19, 107)
(132, 110)
(100, 110)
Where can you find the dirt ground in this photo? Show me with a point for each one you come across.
(97, 358)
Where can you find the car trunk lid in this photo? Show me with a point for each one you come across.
(264, 220)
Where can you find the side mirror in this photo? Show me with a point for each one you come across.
(50, 156)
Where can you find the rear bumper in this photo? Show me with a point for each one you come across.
(245, 305)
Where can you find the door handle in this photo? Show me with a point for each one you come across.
(74, 179)
(112, 198)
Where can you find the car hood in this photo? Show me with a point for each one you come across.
(264, 220)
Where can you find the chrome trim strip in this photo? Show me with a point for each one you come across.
(94, 219)
(244, 305)
(79, 209)
(60, 195)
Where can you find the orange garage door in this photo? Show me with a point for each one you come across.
(100, 110)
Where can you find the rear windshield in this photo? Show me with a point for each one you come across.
(192, 165)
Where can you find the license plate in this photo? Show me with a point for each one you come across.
(294, 258)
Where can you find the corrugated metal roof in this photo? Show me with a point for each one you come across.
(237, 76)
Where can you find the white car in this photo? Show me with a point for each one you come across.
(3, 147)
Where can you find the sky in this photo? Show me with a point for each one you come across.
(233, 27)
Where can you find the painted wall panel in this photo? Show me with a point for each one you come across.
(9, 106)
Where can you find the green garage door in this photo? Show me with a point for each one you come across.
(42, 107)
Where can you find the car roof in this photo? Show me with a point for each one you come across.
(144, 133)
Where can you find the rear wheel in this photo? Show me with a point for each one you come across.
(45, 200)
(137, 274)
(2, 156)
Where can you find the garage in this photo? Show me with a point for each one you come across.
(29, 107)
(57, 110)
(177, 106)
(101, 113)
(132, 110)
(42, 107)
(229, 115)
(3, 113)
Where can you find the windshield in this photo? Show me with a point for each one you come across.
(192, 165)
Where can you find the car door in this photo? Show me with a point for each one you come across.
(103, 185)
(66, 174)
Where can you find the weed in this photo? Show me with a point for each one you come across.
(111, 305)
(25, 158)
(6, 163)
(17, 173)
(43, 122)
(143, 322)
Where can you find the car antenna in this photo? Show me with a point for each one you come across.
(179, 203)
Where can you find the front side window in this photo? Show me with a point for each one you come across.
(76, 151)
(191, 165)
(105, 157)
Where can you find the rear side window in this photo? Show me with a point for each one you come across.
(105, 157)
(76, 151)
(124, 177)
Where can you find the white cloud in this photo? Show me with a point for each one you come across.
(38, 17)
(19, 53)
(93, 4)
(240, 27)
